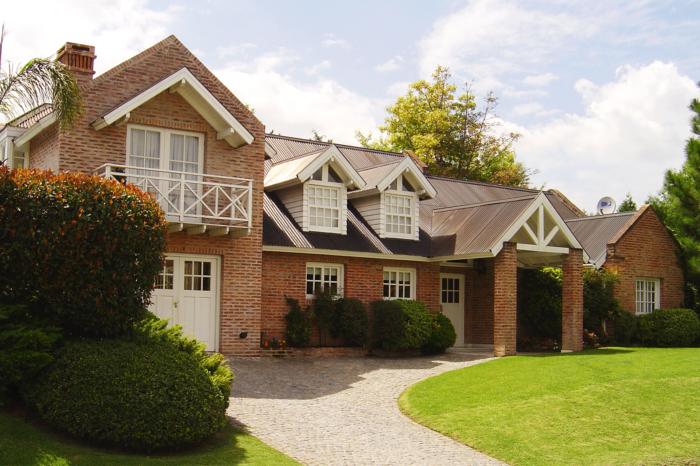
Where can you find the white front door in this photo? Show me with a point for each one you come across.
(187, 293)
(452, 302)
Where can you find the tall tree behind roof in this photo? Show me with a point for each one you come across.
(678, 202)
(450, 133)
(37, 82)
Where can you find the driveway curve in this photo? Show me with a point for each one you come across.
(343, 411)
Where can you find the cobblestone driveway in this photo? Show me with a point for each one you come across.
(343, 411)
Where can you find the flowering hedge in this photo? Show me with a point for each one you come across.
(80, 248)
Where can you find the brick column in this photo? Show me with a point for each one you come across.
(505, 300)
(572, 302)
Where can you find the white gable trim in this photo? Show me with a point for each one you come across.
(408, 168)
(333, 156)
(196, 94)
(269, 151)
(540, 206)
(35, 129)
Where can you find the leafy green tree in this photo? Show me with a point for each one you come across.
(450, 134)
(39, 81)
(628, 205)
(678, 202)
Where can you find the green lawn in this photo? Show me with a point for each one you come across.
(616, 406)
(23, 443)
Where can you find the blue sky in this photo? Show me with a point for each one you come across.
(599, 90)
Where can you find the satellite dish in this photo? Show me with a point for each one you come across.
(606, 205)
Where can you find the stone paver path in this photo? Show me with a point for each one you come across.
(343, 411)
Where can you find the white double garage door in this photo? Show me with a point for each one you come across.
(187, 293)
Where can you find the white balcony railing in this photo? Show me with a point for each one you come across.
(198, 202)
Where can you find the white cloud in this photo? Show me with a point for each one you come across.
(389, 65)
(398, 89)
(527, 108)
(293, 108)
(523, 94)
(633, 129)
(234, 50)
(540, 80)
(314, 70)
(118, 29)
(335, 42)
(489, 38)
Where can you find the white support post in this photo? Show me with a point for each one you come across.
(182, 198)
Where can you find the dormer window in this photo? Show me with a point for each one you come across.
(400, 213)
(325, 197)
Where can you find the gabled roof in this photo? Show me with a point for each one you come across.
(379, 178)
(597, 231)
(196, 94)
(301, 168)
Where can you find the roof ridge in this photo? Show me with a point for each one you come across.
(300, 156)
(346, 146)
(483, 183)
(481, 204)
(380, 165)
(601, 217)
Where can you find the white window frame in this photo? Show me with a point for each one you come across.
(399, 270)
(644, 303)
(324, 265)
(341, 208)
(165, 145)
(399, 193)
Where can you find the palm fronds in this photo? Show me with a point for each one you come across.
(37, 82)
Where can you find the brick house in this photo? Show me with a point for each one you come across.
(640, 248)
(254, 216)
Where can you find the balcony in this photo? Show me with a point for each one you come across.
(194, 203)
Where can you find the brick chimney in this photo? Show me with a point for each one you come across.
(79, 59)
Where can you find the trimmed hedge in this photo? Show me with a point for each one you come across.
(625, 325)
(669, 328)
(442, 335)
(25, 346)
(79, 248)
(351, 321)
(137, 395)
(400, 324)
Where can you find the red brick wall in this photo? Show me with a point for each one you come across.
(572, 301)
(646, 250)
(43, 149)
(85, 149)
(479, 318)
(505, 300)
(285, 273)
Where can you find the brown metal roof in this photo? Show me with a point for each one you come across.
(373, 176)
(595, 232)
(474, 229)
(290, 168)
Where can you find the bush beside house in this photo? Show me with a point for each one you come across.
(83, 253)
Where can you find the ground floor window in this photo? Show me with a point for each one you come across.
(323, 277)
(648, 294)
(399, 283)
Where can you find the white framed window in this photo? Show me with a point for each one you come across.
(323, 277)
(647, 294)
(399, 283)
(400, 213)
(325, 201)
(172, 150)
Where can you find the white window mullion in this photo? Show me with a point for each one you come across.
(323, 277)
(647, 295)
(399, 283)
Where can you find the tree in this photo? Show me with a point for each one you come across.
(628, 205)
(678, 202)
(39, 81)
(450, 133)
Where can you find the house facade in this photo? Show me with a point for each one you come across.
(253, 217)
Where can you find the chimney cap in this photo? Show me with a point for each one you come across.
(79, 49)
(78, 58)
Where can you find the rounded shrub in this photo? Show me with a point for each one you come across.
(140, 396)
(79, 248)
(625, 325)
(646, 330)
(675, 327)
(442, 335)
(400, 324)
(351, 321)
